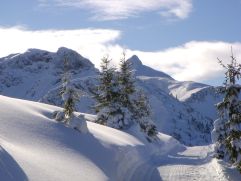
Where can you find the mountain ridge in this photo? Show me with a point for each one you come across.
(36, 75)
(143, 70)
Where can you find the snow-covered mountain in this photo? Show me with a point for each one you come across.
(184, 110)
(32, 74)
(143, 70)
(179, 108)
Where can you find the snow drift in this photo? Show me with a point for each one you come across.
(33, 146)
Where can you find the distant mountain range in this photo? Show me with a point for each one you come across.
(184, 110)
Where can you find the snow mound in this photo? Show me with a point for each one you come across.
(35, 147)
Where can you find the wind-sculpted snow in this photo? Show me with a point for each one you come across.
(35, 147)
(47, 150)
(9, 168)
(184, 110)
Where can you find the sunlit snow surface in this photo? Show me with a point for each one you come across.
(35, 147)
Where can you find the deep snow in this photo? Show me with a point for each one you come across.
(36, 147)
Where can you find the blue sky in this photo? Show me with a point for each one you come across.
(180, 37)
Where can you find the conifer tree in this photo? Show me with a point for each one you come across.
(142, 115)
(127, 90)
(108, 106)
(119, 104)
(227, 129)
(127, 82)
(69, 93)
(134, 100)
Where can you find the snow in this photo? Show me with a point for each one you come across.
(79, 123)
(45, 150)
(143, 70)
(36, 75)
(33, 74)
(180, 109)
(187, 164)
(33, 146)
(36, 147)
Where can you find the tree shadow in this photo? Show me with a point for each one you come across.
(9, 169)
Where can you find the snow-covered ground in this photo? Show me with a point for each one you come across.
(192, 163)
(35, 147)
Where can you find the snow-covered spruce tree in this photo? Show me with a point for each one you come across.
(134, 101)
(119, 104)
(227, 128)
(108, 107)
(127, 82)
(127, 89)
(69, 93)
(141, 111)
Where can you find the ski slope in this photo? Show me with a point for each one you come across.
(35, 147)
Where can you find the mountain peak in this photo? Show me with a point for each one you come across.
(76, 61)
(143, 70)
(65, 51)
(135, 61)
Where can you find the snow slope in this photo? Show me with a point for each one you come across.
(178, 89)
(184, 110)
(35, 147)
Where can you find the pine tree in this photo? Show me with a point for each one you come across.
(108, 108)
(102, 93)
(119, 104)
(227, 129)
(142, 115)
(127, 89)
(127, 82)
(69, 93)
(135, 101)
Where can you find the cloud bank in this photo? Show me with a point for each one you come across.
(195, 60)
(89, 42)
(122, 9)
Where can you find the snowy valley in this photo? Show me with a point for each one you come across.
(33, 146)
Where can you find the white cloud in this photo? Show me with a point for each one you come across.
(196, 61)
(90, 42)
(120, 9)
